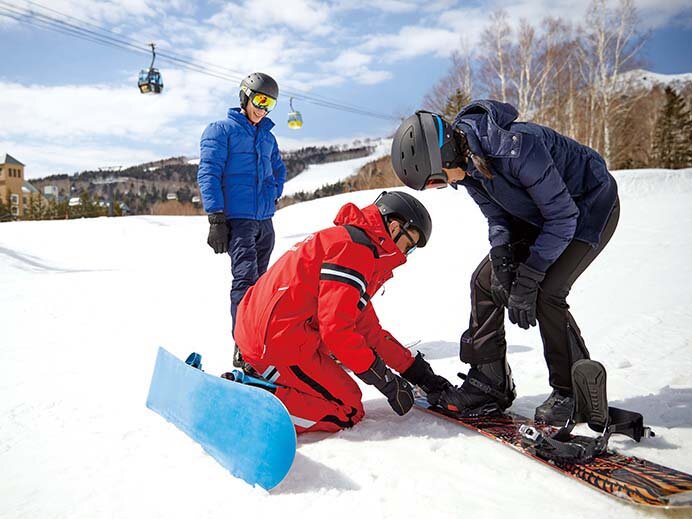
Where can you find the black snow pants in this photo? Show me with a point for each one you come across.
(484, 341)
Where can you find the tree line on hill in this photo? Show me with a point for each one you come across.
(163, 187)
(578, 79)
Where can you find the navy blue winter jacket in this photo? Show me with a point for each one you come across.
(240, 168)
(540, 176)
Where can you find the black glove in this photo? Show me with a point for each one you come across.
(422, 375)
(399, 393)
(522, 298)
(219, 233)
(502, 274)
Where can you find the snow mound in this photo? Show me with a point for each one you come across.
(86, 303)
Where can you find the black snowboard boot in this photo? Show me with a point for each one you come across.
(237, 357)
(556, 410)
(487, 388)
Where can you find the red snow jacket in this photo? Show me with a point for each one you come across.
(318, 295)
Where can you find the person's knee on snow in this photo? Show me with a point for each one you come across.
(315, 302)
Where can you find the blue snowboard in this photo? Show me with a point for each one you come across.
(246, 429)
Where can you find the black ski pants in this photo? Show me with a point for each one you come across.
(484, 341)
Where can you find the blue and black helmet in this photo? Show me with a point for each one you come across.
(424, 144)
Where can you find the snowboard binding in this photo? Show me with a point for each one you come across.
(194, 359)
(591, 407)
(243, 378)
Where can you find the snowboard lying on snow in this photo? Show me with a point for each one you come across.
(628, 478)
(246, 429)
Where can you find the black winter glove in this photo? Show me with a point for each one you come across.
(522, 298)
(398, 391)
(219, 233)
(422, 375)
(502, 274)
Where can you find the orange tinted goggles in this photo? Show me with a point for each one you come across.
(263, 102)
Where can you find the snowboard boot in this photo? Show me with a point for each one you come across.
(487, 389)
(237, 357)
(556, 410)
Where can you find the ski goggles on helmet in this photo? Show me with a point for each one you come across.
(260, 100)
(263, 102)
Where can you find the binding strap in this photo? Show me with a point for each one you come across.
(562, 447)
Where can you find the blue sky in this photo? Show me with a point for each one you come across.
(68, 105)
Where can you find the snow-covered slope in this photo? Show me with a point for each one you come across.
(85, 303)
(644, 79)
(319, 175)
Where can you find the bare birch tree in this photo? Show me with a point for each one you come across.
(497, 38)
(610, 44)
(454, 90)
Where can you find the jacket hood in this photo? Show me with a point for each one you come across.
(370, 220)
(486, 126)
(237, 115)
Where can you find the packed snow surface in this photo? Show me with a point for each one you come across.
(84, 304)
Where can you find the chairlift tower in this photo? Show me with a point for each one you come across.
(109, 181)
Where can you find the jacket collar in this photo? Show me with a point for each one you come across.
(370, 221)
(485, 124)
(236, 114)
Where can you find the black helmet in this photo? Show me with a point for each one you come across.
(422, 146)
(260, 83)
(408, 209)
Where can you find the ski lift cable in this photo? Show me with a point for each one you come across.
(30, 18)
(105, 39)
(241, 75)
(44, 21)
(37, 20)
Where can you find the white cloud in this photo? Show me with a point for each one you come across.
(104, 11)
(412, 41)
(472, 20)
(393, 6)
(78, 111)
(257, 15)
(388, 6)
(353, 65)
(55, 158)
(656, 14)
(351, 59)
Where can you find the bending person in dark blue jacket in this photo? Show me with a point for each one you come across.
(241, 176)
(551, 206)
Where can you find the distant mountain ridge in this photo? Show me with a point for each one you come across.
(144, 187)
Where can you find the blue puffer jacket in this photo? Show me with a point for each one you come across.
(540, 176)
(240, 168)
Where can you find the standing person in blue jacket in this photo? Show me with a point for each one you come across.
(551, 205)
(241, 176)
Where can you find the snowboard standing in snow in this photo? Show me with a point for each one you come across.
(587, 459)
(245, 428)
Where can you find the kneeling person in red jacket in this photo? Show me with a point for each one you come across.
(314, 302)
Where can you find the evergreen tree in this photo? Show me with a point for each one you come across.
(455, 103)
(673, 133)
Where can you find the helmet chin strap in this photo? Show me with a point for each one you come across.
(402, 231)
